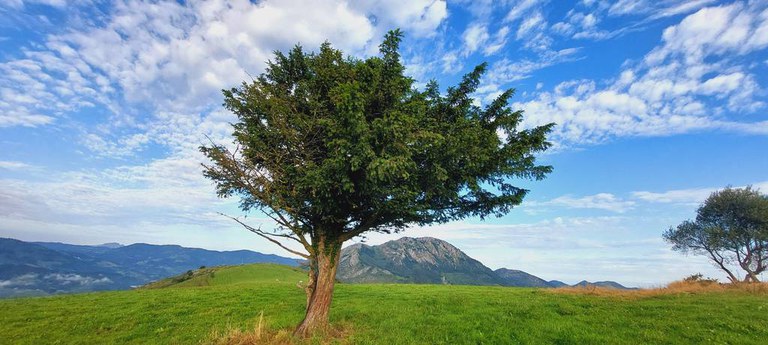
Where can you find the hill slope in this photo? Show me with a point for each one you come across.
(252, 274)
(382, 314)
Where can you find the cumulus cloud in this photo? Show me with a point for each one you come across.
(677, 88)
(585, 20)
(174, 58)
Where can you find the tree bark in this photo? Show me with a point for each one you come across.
(311, 280)
(319, 304)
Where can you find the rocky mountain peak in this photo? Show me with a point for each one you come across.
(425, 251)
(414, 260)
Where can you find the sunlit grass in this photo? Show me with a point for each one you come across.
(382, 314)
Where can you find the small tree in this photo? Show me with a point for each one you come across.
(731, 229)
(331, 147)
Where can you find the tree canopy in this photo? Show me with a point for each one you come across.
(331, 147)
(731, 229)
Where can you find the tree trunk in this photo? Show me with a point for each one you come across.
(721, 263)
(319, 305)
(751, 277)
(311, 280)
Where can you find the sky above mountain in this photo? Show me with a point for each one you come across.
(657, 104)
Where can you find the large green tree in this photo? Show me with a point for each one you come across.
(731, 229)
(331, 147)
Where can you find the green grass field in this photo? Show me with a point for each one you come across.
(234, 297)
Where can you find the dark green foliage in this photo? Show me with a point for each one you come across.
(331, 147)
(335, 146)
(731, 228)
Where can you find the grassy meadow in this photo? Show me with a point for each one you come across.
(215, 302)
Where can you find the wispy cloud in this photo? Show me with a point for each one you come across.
(16, 166)
(691, 196)
(600, 201)
(672, 90)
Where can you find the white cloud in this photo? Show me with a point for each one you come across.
(505, 71)
(657, 9)
(72, 278)
(735, 28)
(477, 37)
(533, 22)
(692, 196)
(583, 22)
(153, 73)
(600, 201)
(21, 118)
(500, 39)
(14, 165)
(520, 9)
(677, 88)
(22, 280)
(474, 37)
(175, 58)
(451, 63)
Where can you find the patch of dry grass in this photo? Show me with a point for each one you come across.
(336, 334)
(676, 287)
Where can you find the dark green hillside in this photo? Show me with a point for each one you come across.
(384, 314)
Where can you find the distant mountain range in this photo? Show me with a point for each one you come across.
(42, 268)
(428, 260)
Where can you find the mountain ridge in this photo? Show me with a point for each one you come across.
(432, 261)
(43, 268)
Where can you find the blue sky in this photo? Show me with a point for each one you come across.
(657, 104)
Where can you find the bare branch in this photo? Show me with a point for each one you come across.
(267, 235)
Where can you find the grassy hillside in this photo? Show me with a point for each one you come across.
(256, 274)
(234, 297)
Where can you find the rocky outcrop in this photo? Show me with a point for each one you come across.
(423, 260)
